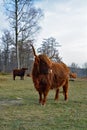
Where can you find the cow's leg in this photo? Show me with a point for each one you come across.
(40, 97)
(57, 94)
(65, 90)
(45, 97)
(21, 77)
(13, 77)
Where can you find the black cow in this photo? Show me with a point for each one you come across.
(19, 72)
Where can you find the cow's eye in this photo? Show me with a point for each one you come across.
(43, 63)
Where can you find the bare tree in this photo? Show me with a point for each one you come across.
(24, 19)
(50, 47)
(85, 67)
(7, 42)
(74, 67)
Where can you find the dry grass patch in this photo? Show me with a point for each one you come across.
(20, 110)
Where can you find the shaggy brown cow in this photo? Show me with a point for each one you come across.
(19, 72)
(73, 76)
(48, 75)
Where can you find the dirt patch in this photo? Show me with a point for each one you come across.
(11, 102)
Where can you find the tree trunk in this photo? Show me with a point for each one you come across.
(16, 34)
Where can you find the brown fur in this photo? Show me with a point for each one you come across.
(73, 75)
(19, 72)
(48, 75)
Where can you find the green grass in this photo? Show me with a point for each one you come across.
(20, 110)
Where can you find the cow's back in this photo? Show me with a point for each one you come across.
(59, 74)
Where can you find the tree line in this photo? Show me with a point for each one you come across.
(8, 52)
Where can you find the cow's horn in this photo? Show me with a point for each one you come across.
(33, 50)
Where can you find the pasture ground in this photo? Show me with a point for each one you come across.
(20, 110)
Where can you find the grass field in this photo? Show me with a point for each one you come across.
(20, 110)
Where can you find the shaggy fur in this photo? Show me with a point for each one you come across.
(48, 75)
(73, 75)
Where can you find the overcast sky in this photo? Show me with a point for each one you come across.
(66, 21)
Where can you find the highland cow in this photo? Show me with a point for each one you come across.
(72, 76)
(19, 72)
(47, 75)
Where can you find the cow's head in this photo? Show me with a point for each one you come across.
(24, 68)
(42, 62)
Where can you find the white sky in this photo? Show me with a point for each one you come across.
(65, 20)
